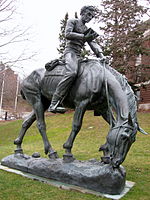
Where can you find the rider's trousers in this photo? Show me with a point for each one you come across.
(71, 64)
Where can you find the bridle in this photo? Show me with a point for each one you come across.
(123, 125)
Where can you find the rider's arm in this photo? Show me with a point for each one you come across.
(70, 34)
(96, 49)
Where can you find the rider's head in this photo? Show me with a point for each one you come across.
(88, 12)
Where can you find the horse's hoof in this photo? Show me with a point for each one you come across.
(68, 157)
(53, 155)
(19, 151)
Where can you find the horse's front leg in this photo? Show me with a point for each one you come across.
(76, 126)
(110, 119)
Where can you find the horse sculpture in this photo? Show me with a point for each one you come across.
(89, 92)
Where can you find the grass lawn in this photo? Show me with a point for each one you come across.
(91, 136)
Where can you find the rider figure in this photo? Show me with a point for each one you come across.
(76, 34)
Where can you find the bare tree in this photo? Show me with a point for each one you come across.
(14, 38)
(14, 49)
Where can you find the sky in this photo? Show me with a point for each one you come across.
(44, 16)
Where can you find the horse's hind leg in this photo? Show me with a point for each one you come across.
(25, 125)
(39, 111)
(76, 126)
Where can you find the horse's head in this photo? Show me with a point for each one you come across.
(119, 141)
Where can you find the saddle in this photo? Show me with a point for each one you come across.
(53, 63)
(57, 67)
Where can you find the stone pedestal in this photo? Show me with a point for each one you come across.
(91, 174)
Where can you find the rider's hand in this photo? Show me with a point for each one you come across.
(90, 35)
(104, 59)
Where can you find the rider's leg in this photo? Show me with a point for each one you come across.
(71, 61)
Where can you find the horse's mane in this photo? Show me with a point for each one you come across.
(132, 100)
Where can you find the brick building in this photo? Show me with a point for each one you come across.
(8, 87)
(145, 61)
(142, 62)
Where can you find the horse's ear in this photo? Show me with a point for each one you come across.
(130, 122)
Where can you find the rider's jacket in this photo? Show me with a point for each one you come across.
(74, 34)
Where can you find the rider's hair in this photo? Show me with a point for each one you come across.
(88, 8)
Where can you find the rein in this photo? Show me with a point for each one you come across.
(107, 94)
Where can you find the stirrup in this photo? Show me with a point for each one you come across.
(55, 109)
(61, 110)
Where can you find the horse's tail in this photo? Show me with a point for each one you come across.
(22, 94)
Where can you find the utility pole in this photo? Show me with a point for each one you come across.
(2, 91)
(17, 88)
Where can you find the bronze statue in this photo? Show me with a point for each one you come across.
(76, 35)
(82, 85)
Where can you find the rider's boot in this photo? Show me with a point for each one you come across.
(54, 105)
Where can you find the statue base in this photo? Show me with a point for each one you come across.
(91, 174)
